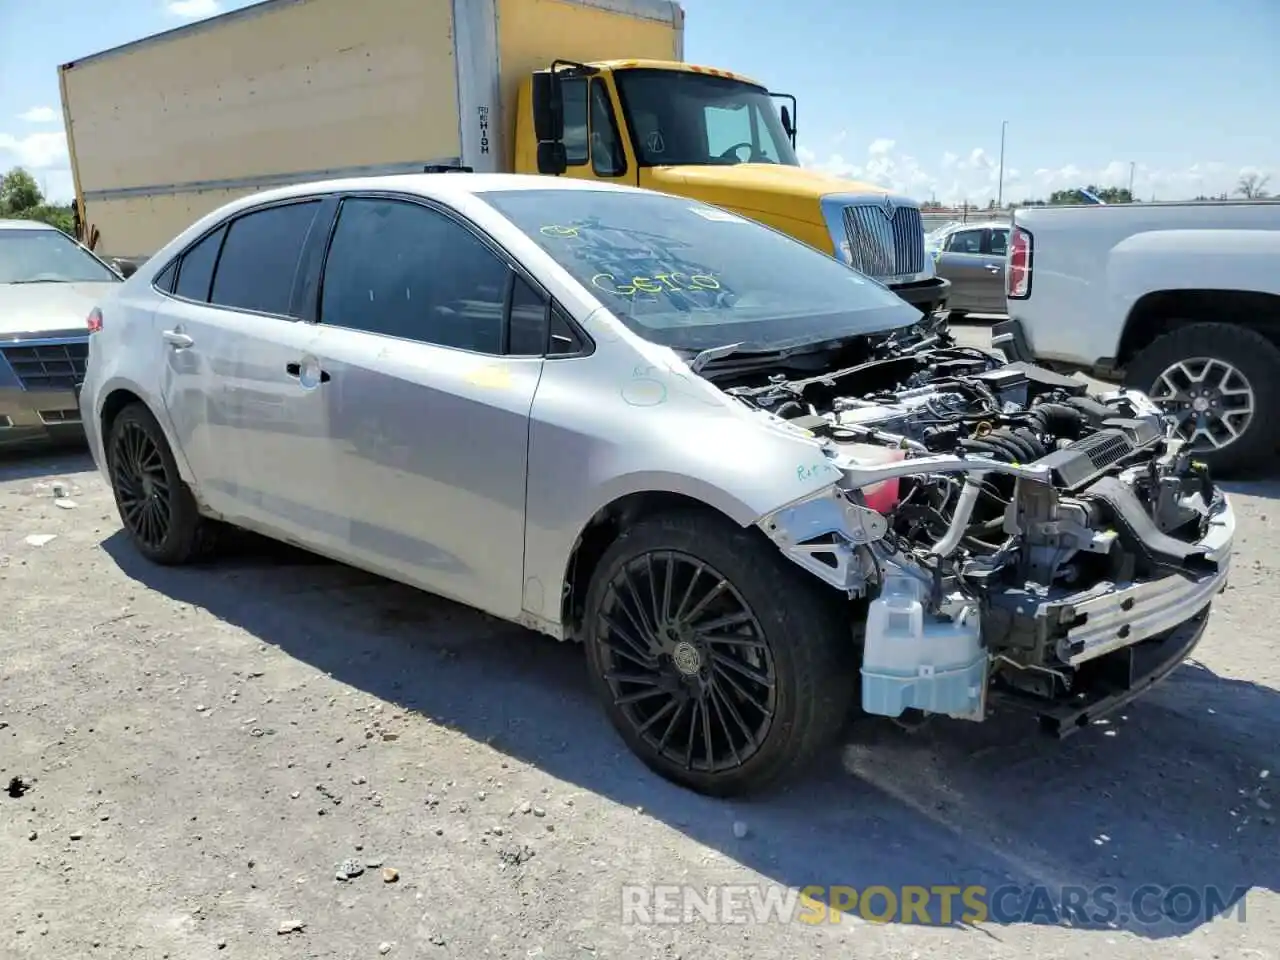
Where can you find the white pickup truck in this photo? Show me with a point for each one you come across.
(1181, 300)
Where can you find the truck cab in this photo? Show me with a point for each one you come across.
(719, 137)
(163, 130)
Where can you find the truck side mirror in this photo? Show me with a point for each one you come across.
(787, 128)
(552, 158)
(548, 107)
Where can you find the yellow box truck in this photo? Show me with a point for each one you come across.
(167, 128)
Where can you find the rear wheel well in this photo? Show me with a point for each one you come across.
(1161, 312)
(116, 401)
(601, 531)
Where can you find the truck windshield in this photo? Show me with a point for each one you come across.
(677, 117)
(689, 275)
(47, 256)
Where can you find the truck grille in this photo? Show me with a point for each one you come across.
(884, 245)
(48, 366)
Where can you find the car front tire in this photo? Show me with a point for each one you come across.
(724, 667)
(156, 506)
(1221, 382)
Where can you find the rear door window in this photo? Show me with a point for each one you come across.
(965, 241)
(258, 268)
(195, 270)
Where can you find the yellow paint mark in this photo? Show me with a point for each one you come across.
(494, 377)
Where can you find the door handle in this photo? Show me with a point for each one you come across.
(295, 370)
(994, 268)
(176, 338)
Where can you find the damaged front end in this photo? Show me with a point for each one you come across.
(1009, 538)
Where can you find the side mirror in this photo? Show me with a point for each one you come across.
(126, 268)
(552, 158)
(548, 107)
(788, 116)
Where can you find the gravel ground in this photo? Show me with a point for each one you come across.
(277, 756)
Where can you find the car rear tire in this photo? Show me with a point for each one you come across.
(156, 506)
(724, 667)
(1222, 382)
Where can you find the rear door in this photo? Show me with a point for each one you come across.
(995, 245)
(243, 375)
(963, 263)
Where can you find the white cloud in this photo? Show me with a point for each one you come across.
(974, 176)
(193, 9)
(45, 156)
(35, 150)
(39, 115)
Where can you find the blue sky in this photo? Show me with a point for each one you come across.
(911, 96)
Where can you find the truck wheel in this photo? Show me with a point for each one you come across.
(156, 507)
(724, 667)
(1222, 383)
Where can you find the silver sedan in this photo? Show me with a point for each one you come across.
(749, 479)
(972, 256)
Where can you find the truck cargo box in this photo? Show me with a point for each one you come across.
(165, 129)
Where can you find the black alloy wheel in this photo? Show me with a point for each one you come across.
(156, 506)
(687, 662)
(724, 666)
(144, 492)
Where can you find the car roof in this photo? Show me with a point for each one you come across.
(25, 225)
(438, 186)
(976, 225)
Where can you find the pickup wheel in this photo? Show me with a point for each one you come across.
(723, 666)
(1222, 383)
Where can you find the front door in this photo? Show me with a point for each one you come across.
(427, 404)
(592, 145)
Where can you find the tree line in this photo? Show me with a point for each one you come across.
(22, 199)
(1251, 186)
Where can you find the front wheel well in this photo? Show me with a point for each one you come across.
(600, 533)
(1163, 311)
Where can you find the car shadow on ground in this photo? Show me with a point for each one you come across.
(46, 460)
(1154, 822)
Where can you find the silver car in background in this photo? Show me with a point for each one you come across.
(972, 256)
(48, 285)
(752, 482)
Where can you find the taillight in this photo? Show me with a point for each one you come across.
(1019, 270)
(94, 322)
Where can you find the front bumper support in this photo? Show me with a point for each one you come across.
(1113, 681)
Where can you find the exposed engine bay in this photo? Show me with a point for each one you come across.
(1011, 534)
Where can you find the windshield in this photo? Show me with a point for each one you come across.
(47, 256)
(689, 275)
(677, 117)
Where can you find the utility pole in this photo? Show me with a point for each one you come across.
(1000, 188)
(1131, 167)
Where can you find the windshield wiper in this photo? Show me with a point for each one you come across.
(703, 357)
(39, 280)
